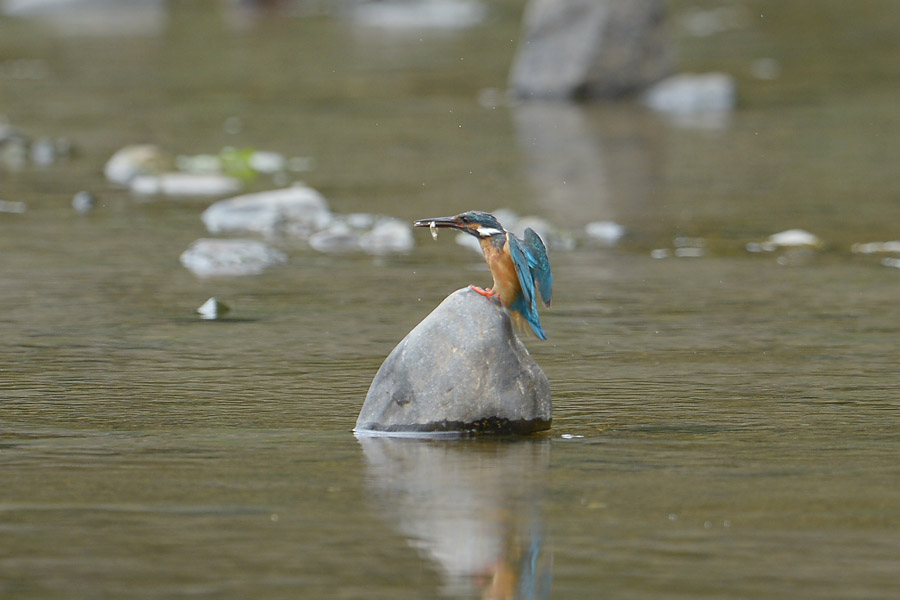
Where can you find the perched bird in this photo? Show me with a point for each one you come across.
(520, 268)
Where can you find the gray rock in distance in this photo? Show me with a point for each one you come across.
(587, 49)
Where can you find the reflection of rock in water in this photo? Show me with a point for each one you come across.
(590, 163)
(473, 507)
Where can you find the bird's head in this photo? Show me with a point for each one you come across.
(474, 222)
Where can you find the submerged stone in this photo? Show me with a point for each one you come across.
(83, 202)
(138, 159)
(462, 369)
(224, 258)
(388, 236)
(692, 94)
(604, 233)
(299, 210)
(184, 184)
(12, 206)
(420, 14)
(336, 238)
(792, 238)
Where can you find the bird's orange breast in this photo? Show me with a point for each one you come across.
(499, 261)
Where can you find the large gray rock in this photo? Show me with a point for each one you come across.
(590, 48)
(461, 369)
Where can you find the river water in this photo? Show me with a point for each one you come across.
(725, 425)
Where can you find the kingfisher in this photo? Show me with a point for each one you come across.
(520, 268)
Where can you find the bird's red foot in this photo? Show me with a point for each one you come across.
(487, 293)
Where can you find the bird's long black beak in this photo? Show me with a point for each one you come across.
(445, 222)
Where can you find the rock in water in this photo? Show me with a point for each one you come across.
(461, 369)
(590, 48)
(298, 209)
(230, 258)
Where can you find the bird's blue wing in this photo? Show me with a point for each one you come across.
(540, 269)
(527, 302)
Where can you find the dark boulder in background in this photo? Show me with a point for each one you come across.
(580, 49)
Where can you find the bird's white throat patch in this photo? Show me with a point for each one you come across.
(487, 231)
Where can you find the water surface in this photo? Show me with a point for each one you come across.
(725, 426)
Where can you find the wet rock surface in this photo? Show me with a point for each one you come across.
(590, 48)
(462, 369)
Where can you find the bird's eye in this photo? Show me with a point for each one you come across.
(464, 219)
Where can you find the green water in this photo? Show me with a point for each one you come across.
(725, 426)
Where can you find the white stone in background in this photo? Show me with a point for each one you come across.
(43, 151)
(792, 238)
(874, 247)
(139, 159)
(298, 210)
(267, 162)
(336, 238)
(605, 233)
(10, 206)
(184, 184)
(388, 236)
(436, 14)
(692, 94)
(199, 163)
(689, 252)
(703, 23)
(223, 258)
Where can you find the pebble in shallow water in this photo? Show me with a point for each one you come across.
(225, 258)
(792, 238)
(604, 233)
(184, 184)
(691, 94)
(83, 202)
(212, 309)
(10, 206)
(138, 159)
